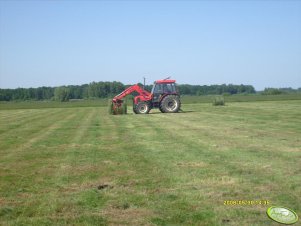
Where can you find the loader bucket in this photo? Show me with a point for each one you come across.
(119, 108)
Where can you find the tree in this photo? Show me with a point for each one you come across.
(272, 91)
(62, 93)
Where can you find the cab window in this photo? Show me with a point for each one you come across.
(169, 88)
(158, 88)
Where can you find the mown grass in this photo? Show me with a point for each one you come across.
(52, 104)
(103, 102)
(240, 98)
(82, 166)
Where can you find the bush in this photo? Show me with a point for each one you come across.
(272, 91)
(218, 101)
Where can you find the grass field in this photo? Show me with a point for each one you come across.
(104, 102)
(81, 166)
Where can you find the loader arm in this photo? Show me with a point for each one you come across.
(130, 90)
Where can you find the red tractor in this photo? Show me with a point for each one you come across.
(164, 95)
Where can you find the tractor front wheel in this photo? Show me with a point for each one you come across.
(142, 108)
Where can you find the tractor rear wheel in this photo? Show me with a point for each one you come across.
(170, 104)
(142, 108)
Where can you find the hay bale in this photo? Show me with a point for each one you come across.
(218, 101)
(115, 110)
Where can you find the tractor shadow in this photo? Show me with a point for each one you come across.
(180, 112)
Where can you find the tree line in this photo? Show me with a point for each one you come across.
(274, 91)
(64, 93)
(110, 89)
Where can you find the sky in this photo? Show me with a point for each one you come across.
(54, 43)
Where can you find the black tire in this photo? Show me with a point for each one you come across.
(142, 108)
(161, 108)
(170, 104)
(134, 108)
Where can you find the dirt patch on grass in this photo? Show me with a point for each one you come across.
(105, 183)
(9, 202)
(104, 186)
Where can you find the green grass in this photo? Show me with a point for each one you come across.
(241, 98)
(104, 102)
(52, 104)
(161, 169)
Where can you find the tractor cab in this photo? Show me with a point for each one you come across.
(162, 88)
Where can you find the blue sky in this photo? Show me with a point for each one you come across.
(52, 43)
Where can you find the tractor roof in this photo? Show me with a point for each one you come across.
(165, 81)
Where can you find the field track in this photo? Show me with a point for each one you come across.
(81, 166)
